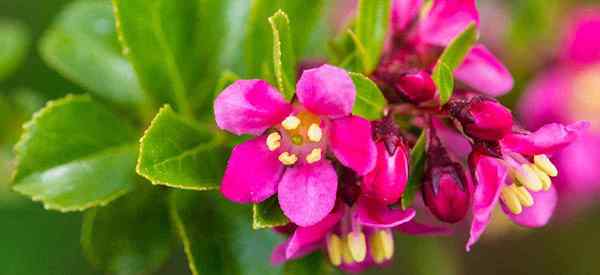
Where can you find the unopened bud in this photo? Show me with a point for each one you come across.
(482, 118)
(417, 87)
(387, 181)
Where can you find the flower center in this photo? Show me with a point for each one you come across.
(526, 177)
(299, 137)
(584, 104)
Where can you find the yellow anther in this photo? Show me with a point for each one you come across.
(314, 156)
(528, 177)
(544, 178)
(334, 249)
(377, 250)
(511, 200)
(357, 245)
(387, 241)
(544, 163)
(314, 133)
(273, 141)
(523, 195)
(346, 255)
(287, 158)
(290, 123)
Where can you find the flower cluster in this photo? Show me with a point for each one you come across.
(340, 178)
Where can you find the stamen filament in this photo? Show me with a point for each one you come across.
(523, 195)
(346, 255)
(511, 200)
(357, 245)
(528, 177)
(334, 249)
(544, 163)
(544, 178)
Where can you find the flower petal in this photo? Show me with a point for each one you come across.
(351, 142)
(252, 172)
(327, 91)
(378, 215)
(278, 255)
(387, 181)
(490, 175)
(484, 72)
(540, 213)
(582, 42)
(403, 12)
(307, 192)
(447, 19)
(420, 229)
(305, 238)
(250, 107)
(546, 140)
(544, 100)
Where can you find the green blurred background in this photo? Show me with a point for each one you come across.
(36, 241)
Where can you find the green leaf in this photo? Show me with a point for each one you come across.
(315, 263)
(131, 236)
(75, 154)
(174, 45)
(417, 163)
(371, 28)
(268, 214)
(217, 237)
(82, 45)
(14, 43)
(444, 81)
(284, 60)
(450, 59)
(370, 102)
(179, 153)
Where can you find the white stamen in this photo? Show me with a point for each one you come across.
(314, 156)
(287, 158)
(527, 176)
(273, 141)
(314, 133)
(544, 163)
(291, 122)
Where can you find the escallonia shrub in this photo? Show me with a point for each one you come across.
(332, 157)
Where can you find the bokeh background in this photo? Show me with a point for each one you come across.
(527, 34)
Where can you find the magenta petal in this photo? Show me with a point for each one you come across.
(546, 140)
(351, 141)
(250, 107)
(252, 172)
(582, 42)
(540, 213)
(307, 192)
(387, 181)
(327, 91)
(544, 100)
(378, 215)
(419, 229)
(490, 175)
(447, 19)
(278, 255)
(403, 12)
(484, 72)
(305, 239)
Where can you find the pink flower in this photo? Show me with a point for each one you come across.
(415, 43)
(288, 156)
(354, 237)
(518, 174)
(482, 117)
(567, 92)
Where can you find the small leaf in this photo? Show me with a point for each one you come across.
(75, 154)
(133, 235)
(217, 237)
(371, 28)
(180, 153)
(14, 43)
(82, 45)
(417, 163)
(284, 60)
(370, 102)
(450, 59)
(444, 80)
(268, 214)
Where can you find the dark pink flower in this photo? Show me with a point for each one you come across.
(288, 156)
(482, 117)
(519, 177)
(386, 182)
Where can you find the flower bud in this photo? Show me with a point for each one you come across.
(417, 87)
(386, 182)
(482, 118)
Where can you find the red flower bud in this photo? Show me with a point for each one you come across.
(482, 118)
(417, 87)
(387, 181)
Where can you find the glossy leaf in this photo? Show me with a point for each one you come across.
(450, 59)
(217, 237)
(371, 28)
(284, 60)
(82, 45)
(75, 154)
(14, 43)
(173, 45)
(417, 164)
(179, 153)
(133, 235)
(268, 214)
(370, 102)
